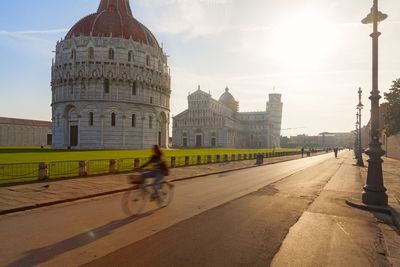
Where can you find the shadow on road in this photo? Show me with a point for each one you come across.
(41, 255)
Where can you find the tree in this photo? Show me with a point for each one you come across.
(392, 115)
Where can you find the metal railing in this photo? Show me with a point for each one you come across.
(28, 172)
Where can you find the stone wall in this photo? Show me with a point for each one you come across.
(23, 135)
(392, 146)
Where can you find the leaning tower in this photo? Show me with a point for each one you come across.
(274, 111)
(110, 83)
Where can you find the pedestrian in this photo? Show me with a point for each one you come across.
(335, 150)
(302, 152)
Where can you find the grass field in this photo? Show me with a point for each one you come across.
(21, 164)
(34, 154)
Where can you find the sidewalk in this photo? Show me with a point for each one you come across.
(31, 196)
(331, 233)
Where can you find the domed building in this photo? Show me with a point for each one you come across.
(110, 83)
(211, 123)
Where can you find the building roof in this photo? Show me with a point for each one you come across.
(228, 100)
(113, 19)
(23, 122)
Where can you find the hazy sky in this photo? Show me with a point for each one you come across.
(315, 52)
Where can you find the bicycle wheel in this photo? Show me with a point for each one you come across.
(133, 201)
(165, 194)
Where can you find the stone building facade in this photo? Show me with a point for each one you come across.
(19, 132)
(218, 123)
(110, 83)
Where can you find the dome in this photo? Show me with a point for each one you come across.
(228, 100)
(113, 19)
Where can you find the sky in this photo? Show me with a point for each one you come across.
(316, 53)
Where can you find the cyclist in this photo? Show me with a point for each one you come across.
(159, 171)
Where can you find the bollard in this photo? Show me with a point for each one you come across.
(173, 162)
(198, 160)
(245, 156)
(82, 169)
(187, 161)
(250, 156)
(240, 157)
(218, 159)
(43, 171)
(233, 157)
(136, 164)
(113, 166)
(225, 158)
(260, 159)
(209, 159)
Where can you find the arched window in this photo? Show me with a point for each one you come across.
(148, 60)
(90, 118)
(111, 54)
(106, 86)
(113, 119)
(130, 56)
(133, 120)
(91, 53)
(73, 54)
(150, 122)
(134, 84)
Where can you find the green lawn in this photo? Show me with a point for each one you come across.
(34, 154)
(21, 164)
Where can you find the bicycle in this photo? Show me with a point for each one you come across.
(134, 200)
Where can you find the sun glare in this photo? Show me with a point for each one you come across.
(302, 40)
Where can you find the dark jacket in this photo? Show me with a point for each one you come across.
(158, 163)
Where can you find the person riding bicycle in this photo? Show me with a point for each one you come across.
(160, 169)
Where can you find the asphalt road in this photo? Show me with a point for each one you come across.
(235, 219)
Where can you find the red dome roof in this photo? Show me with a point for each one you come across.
(113, 18)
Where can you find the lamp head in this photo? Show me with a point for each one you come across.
(369, 19)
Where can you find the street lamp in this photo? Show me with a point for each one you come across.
(356, 139)
(360, 106)
(374, 190)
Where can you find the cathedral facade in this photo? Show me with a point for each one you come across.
(218, 123)
(110, 83)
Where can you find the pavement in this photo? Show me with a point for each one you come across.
(292, 213)
(336, 234)
(31, 196)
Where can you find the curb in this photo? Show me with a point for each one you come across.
(52, 203)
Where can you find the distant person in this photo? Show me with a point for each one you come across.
(159, 171)
(302, 152)
(336, 150)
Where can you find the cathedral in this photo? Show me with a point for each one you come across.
(110, 83)
(218, 123)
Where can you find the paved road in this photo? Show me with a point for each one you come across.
(235, 219)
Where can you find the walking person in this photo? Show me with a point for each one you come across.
(335, 150)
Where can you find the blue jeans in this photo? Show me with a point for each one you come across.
(157, 175)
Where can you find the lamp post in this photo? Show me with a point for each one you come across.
(360, 106)
(356, 139)
(374, 190)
